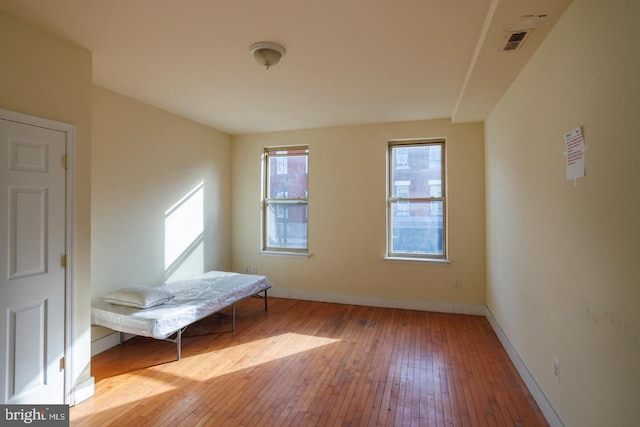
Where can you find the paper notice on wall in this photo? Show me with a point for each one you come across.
(574, 142)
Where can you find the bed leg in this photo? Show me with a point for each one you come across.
(179, 343)
(233, 319)
(265, 300)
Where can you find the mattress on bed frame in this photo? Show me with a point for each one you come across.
(195, 298)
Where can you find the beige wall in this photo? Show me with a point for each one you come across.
(44, 76)
(347, 208)
(145, 161)
(563, 260)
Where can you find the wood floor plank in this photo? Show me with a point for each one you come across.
(308, 363)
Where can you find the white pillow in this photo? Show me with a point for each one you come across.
(138, 296)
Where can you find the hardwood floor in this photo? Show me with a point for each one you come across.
(307, 363)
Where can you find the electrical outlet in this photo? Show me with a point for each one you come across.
(456, 283)
(556, 370)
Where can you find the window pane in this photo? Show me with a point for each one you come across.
(286, 225)
(287, 176)
(416, 228)
(416, 171)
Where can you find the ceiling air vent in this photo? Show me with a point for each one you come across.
(516, 36)
(514, 40)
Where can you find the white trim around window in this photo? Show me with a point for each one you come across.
(416, 200)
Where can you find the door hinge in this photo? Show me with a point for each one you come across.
(66, 161)
(62, 363)
(64, 261)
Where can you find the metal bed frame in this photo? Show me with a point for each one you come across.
(178, 334)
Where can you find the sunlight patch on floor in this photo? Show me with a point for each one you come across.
(169, 376)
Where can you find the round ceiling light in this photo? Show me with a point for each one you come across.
(267, 54)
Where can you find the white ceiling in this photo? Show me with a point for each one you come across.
(347, 61)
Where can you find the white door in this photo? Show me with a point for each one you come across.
(32, 275)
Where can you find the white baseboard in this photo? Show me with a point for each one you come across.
(108, 341)
(441, 307)
(538, 395)
(84, 390)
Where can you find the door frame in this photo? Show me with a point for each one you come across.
(69, 310)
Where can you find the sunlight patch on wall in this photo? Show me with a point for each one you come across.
(183, 235)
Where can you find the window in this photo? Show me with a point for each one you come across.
(285, 199)
(416, 200)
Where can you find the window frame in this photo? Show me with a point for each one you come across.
(285, 201)
(393, 198)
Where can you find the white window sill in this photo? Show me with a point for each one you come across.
(436, 261)
(287, 254)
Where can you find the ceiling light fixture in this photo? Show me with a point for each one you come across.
(267, 54)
